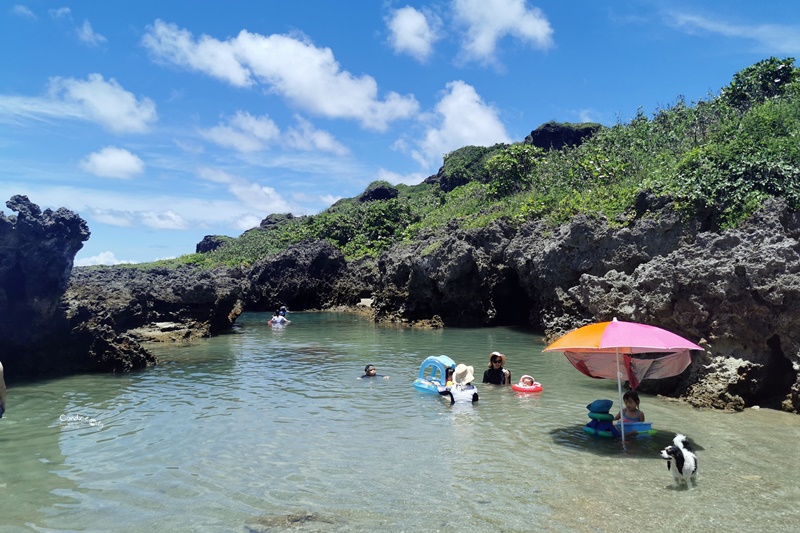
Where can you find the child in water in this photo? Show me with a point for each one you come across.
(371, 372)
(631, 412)
(526, 381)
(448, 377)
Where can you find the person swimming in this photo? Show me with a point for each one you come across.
(371, 372)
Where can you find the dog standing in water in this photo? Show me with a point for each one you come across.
(681, 460)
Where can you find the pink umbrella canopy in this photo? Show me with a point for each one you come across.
(598, 350)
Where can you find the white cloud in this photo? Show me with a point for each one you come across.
(113, 162)
(306, 76)
(411, 32)
(773, 38)
(96, 100)
(488, 21)
(23, 11)
(132, 209)
(163, 220)
(587, 115)
(106, 103)
(306, 137)
(394, 178)
(87, 35)
(257, 196)
(244, 132)
(60, 13)
(215, 175)
(189, 148)
(247, 222)
(171, 44)
(103, 258)
(329, 199)
(326, 200)
(122, 219)
(462, 119)
(253, 196)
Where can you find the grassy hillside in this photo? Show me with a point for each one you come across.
(724, 155)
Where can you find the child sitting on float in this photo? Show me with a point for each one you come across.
(448, 377)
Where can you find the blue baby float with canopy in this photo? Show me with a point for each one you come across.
(432, 373)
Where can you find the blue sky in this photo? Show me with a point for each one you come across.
(162, 122)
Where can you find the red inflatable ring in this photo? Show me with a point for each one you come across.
(536, 387)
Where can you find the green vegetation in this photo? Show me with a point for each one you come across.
(724, 155)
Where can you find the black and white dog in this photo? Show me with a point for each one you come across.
(681, 460)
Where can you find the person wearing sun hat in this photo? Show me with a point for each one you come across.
(462, 390)
(496, 374)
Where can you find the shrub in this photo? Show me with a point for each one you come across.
(754, 84)
(511, 169)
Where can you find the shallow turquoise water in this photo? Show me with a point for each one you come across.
(267, 429)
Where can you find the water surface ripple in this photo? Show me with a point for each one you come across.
(267, 429)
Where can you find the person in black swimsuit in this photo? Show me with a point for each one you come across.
(496, 374)
(371, 372)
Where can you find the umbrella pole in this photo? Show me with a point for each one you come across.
(621, 405)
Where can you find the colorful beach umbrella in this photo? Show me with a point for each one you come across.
(618, 349)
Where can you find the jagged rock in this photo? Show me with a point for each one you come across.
(275, 219)
(210, 243)
(555, 135)
(378, 191)
(302, 277)
(36, 336)
(740, 289)
(138, 301)
(458, 275)
(713, 389)
(36, 253)
(355, 283)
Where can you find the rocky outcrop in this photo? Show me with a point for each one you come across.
(37, 337)
(737, 290)
(555, 136)
(156, 304)
(210, 243)
(276, 219)
(459, 276)
(378, 191)
(36, 253)
(302, 277)
(355, 284)
(550, 261)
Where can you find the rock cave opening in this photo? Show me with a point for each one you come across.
(512, 303)
(779, 376)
